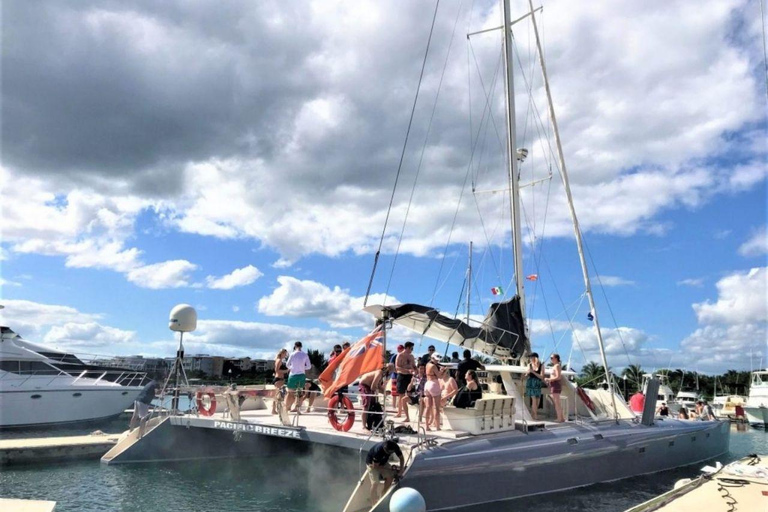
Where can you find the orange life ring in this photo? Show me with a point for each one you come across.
(341, 403)
(585, 398)
(201, 408)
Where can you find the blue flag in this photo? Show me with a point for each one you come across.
(590, 316)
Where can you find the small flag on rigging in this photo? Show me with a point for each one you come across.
(497, 290)
(590, 316)
(532, 277)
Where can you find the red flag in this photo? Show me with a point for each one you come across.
(362, 357)
(532, 277)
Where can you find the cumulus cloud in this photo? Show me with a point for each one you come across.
(757, 245)
(168, 274)
(641, 103)
(90, 334)
(64, 327)
(310, 299)
(742, 298)
(238, 277)
(734, 325)
(218, 336)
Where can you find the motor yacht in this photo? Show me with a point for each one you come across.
(40, 386)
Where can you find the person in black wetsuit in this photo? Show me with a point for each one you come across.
(663, 409)
(377, 461)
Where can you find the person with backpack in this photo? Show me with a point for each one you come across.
(372, 384)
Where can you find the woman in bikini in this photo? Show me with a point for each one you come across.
(432, 391)
(280, 372)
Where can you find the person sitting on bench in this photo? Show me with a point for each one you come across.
(469, 393)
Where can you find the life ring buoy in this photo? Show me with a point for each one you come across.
(341, 403)
(585, 398)
(202, 408)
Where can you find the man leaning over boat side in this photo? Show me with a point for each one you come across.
(377, 461)
(405, 366)
(297, 364)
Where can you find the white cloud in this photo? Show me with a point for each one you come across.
(65, 327)
(717, 347)
(235, 309)
(614, 281)
(217, 336)
(168, 274)
(318, 180)
(734, 326)
(617, 341)
(310, 299)
(91, 334)
(757, 245)
(5, 282)
(742, 298)
(238, 277)
(696, 282)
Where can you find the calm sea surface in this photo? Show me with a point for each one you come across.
(282, 484)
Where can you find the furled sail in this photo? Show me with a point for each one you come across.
(501, 334)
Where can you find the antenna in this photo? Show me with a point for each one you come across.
(183, 319)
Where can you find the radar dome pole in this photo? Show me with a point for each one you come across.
(183, 319)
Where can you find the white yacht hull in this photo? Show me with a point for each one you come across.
(45, 407)
(756, 415)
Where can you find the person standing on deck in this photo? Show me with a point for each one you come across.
(467, 364)
(405, 366)
(555, 386)
(297, 364)
(371, 384)
(393, 377)
(534, 382)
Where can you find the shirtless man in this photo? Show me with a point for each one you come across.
(373, 383)
(405, 366)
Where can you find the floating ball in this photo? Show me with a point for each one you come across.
(407, 499)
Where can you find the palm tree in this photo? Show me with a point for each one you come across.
(590, 373)
(317, 359)
(634, 374)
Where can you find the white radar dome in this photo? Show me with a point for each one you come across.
(183, 318)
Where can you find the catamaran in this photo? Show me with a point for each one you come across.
(490, 452)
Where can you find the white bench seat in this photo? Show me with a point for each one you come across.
(492, 413)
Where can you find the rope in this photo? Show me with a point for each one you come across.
(423, 150)
(402, 157)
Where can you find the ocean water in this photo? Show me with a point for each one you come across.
(285, 484)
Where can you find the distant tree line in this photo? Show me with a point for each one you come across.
(731, 382)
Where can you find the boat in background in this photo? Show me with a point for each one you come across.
(727, 407)
(756, 408)
(40, 386)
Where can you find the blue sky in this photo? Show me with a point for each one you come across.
(156, 154)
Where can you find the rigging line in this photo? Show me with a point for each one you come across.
(423, 150)
(765, 49)
(535, 107)
(458, 305)
(487, 239)
(488, 109)
(402, 156)
(607, 302)
(487, 93)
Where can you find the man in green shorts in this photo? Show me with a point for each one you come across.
(297, 365)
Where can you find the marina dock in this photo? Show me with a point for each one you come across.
(26, 505)
(48, 449)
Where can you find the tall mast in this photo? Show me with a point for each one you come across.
(469, 280)
(514, 185)
(576, 229)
